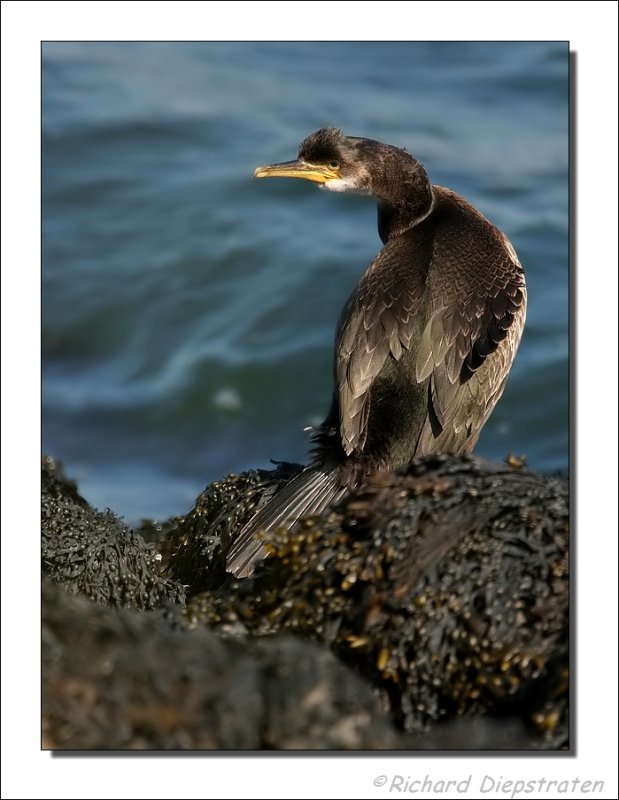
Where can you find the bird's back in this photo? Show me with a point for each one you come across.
(427, 338)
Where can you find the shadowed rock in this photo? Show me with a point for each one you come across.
(118, 679)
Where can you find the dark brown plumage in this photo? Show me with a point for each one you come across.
(425, 342)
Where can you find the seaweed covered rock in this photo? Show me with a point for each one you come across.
(120, 679)
(447, 587)
(197, 543)
(96, 554)
(441, 594)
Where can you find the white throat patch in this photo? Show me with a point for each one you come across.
(339, 185)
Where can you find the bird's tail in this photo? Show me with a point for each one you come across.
(309, 493)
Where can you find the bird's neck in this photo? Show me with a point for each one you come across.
(395, 217)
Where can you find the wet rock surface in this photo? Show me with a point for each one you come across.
(428, 611)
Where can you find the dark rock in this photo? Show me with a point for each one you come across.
(119, 679)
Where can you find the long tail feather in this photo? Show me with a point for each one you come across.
(309, 493)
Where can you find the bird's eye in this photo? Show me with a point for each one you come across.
(334, 165)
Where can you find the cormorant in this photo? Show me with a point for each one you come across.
(423, 345)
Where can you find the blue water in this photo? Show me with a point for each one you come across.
(188, 311)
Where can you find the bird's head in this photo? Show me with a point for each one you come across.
(326, 157)
(341, 163)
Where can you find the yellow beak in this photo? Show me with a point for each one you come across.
(298, 169)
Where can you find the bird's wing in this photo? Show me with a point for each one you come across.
(453, 296)
(474, 322)
(379, 320)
